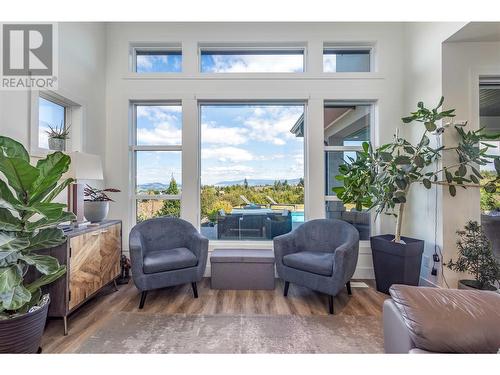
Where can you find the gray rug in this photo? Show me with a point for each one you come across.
(156, 333)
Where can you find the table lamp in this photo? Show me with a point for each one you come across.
(83, 167)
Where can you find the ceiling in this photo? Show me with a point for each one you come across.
(477, 32)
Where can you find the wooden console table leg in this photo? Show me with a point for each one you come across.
(116, 286)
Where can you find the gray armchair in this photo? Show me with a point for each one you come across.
(164, 252)
(320, 254)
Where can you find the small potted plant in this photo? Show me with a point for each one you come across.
(58, 136)
(381, 178)
(476, 257)
(96, 205)
(28, 223)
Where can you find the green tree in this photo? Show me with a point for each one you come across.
(171, 207)
(245, 183)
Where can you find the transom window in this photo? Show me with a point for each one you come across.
(346, 127)
(156, 153)
(251, 60)
(346, 59)
(252, 170)
(157, 60)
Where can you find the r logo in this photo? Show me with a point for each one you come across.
(27, 49)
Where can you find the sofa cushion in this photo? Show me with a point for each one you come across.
(168, 260)
(450, 320)
(317, 262)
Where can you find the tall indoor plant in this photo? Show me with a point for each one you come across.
(380, 178)
(28, 220)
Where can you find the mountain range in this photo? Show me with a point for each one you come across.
(251, 182)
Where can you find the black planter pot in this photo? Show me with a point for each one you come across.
(396, 263)
(24, 333)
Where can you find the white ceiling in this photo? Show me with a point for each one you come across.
(477, 32)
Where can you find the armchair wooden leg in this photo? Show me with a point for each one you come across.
(143, 299)
(195, 290)
(285, 292)
(348, 285)
(330, 305)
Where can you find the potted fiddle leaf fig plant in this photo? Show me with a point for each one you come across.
(28, 223)
(475, 256)
(380, 178)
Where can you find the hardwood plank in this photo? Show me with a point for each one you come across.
(179, 300)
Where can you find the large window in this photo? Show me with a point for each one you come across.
(252, 170)
(51, 118)
(346, 59)
(252, 60)
(489, 112)
(346, 127)
(157, 163)
(157, 60)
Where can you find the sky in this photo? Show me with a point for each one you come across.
(268, 63)
(237, 142)
(49, 113)
(159, 63)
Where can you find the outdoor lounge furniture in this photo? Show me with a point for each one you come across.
(253, 223)
(438, 320)
(320, 254)
(164, 252)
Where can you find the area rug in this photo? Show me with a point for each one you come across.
(157, 333)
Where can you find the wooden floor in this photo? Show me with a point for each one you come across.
(179, 300)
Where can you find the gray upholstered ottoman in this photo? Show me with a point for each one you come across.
(242, 269)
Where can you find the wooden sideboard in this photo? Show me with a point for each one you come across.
(92, 257)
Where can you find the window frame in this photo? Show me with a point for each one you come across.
(134, 148)
(152, 47)
(246, 244)
(326, 149)
(73, 115)
(354, 47)
(242, 47)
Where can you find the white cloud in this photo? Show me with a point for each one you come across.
(211, 133)
(258, 63)
(225, 154)
(145, 62)
(162, 134)
(276, 126)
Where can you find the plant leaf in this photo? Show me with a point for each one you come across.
(45, 222)
(9, 222)
(19, 173)
(427, 183)
(8, 257)
(51, 169)
(11, 242)
(14, 298)
(6, 195)
(453, 190)
(401, 160)
(43, 263)
(13, 149)
(46, 238)
(46, 279)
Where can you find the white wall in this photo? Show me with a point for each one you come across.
(423, 82)
(81, 76)
(383, 86)
(463, 64)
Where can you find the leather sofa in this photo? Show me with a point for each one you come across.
(436, 320)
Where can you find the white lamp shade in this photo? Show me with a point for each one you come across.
(84, 167)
